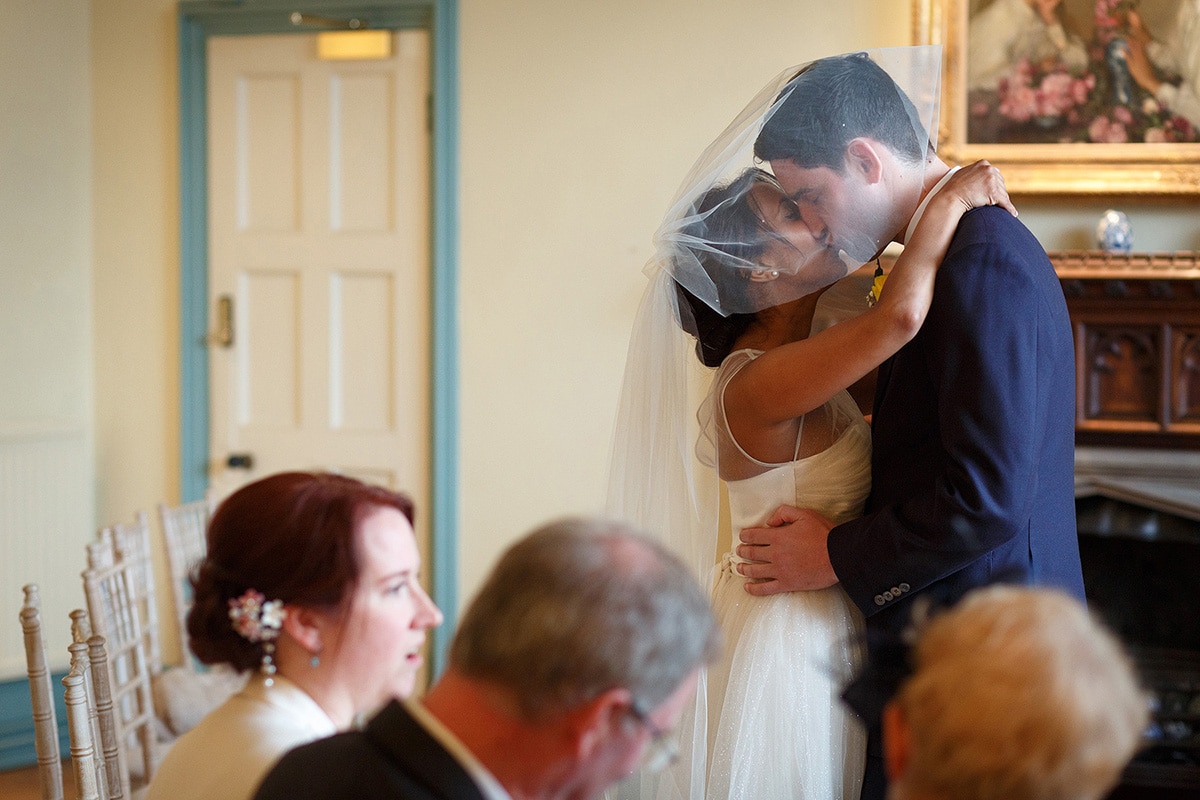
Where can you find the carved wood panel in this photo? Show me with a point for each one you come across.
(1185, 359)
(1136, 321)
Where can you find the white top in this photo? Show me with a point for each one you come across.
(228, 754)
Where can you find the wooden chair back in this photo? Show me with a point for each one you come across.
(184, 527)
(45, 722)
(79, 723)
(113, 609)
(132, 540)
(89, 650)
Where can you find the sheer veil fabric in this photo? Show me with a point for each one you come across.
(664, 466)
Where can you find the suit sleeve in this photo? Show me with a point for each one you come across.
(980, 345)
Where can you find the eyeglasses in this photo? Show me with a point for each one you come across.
(662, 749)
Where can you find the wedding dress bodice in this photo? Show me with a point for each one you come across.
(834, 481)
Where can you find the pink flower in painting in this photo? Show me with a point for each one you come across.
(1054, 95)
(1123, 115)
(1026, 92)
(1023, 72)
(1019, 103)
(1155, 136)
(1082, 87)
(1105, 131)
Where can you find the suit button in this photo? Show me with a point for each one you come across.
(896, 591)
(888, 595)
(879, 600)
(904, 587)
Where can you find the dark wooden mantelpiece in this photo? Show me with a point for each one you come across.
(1137, 346)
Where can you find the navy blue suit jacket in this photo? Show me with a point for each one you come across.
(972, 469)
(973, 431)
(393, 758)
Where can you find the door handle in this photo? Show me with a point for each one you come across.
(240, 461)
(223, 333)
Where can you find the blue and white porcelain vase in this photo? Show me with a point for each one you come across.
(1113, 232)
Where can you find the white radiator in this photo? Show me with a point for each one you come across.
(46, 518)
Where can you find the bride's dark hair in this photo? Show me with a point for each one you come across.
(729, 224)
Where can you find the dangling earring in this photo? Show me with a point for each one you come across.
(258, 620)
(268, 663)
(315, 661)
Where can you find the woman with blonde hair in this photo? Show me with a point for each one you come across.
(1016, 693)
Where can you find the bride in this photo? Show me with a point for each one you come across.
(737, 276)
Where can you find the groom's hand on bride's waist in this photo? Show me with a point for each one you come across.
(789, 551)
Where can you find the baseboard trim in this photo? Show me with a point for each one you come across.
(16, 722)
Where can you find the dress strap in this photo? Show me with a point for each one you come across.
(799, 433)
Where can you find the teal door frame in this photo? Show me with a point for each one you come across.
(200, 19)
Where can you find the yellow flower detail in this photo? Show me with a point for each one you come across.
(876, 285)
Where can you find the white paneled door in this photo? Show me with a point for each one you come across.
(319, 259)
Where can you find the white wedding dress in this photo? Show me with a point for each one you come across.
(777, 727)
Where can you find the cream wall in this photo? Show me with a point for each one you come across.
(135, 194)
(578, 122)
(136, 264)
(46, 420)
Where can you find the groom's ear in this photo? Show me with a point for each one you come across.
(591, 725)
(862, 157)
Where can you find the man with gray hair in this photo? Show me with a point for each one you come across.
(568, 672)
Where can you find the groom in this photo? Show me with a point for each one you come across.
(973, 423)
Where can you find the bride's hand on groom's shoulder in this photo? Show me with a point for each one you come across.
(789, 553)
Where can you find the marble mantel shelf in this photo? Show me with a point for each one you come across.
(1164, 480)
(1183, 501)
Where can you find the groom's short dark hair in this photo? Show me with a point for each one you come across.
(832, 101)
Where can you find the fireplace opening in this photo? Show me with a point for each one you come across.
(1141, 572)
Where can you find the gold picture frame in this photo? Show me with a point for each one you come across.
(1169, 168)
